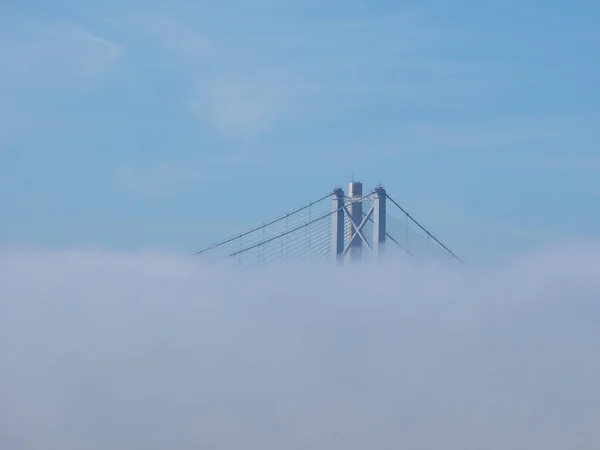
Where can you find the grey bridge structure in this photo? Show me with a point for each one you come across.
(345, 229)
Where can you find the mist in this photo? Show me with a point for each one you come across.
(112, 350)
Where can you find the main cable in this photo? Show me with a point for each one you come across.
(262, 226)
(423, 228)
(285, 233)
(393, 240)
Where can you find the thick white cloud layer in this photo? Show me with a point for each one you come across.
(102, 350)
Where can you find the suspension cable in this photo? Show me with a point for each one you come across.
(262, 226)
(394, 240)
(285, 233)
(422, 227)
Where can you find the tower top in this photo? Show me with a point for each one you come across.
(355, 189)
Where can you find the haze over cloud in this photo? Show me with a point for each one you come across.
(102, 349)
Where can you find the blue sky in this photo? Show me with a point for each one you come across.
(133, 124)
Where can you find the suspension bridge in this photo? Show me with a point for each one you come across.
(346, 228)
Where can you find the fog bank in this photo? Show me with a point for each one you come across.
(108, 350)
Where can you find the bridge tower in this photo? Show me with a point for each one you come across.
(350, 210)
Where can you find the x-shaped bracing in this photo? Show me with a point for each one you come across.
(357, 229)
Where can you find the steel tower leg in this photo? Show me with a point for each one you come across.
(338, 224)
(379, 225)
(355, 191)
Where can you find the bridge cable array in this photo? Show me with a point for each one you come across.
(423, 228)
(264, 225)
(391, 237)
(307, 231)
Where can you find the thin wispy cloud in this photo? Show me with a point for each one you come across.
(171, 35)
(423, 98)
(589, 162)
(166, 178)
(63, 52)
(493, 134)
(160, 179)
(238, 90)
(239, 108)
(83, 33)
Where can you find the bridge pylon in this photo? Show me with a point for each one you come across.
(349, 240)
